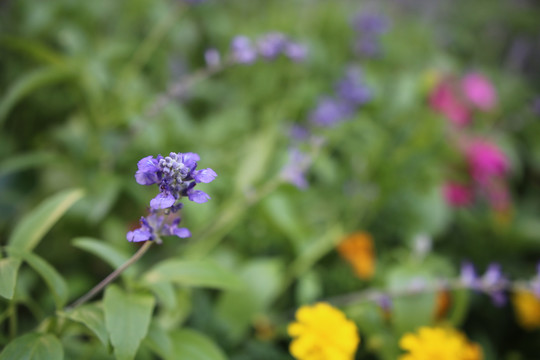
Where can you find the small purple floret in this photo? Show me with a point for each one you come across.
(243, 52)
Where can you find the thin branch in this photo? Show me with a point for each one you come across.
(96, 289)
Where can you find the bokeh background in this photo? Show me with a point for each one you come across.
(411, 125)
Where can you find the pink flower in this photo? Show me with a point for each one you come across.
(457, 195)
(479, 91)
(444, 100)
(486, 161)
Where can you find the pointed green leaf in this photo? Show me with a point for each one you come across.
(31, 82)
(192, 345)
(127, 317)
(93, 318)
(31, 229)
(8, 276)
(34, 346)
(103, 250)
(54, 280)
(159, 341)
(203, 273)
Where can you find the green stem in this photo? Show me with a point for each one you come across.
(12, 320)
(96, 289)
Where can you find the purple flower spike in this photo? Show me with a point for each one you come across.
(294, 171)
(243, 51)
(352, 89)
(296, 52)
(154, 226)
(329, 112)
(271, 45)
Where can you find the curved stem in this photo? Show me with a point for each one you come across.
(96, 289)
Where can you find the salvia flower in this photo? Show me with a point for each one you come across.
(243, 51)
(176, 176)
(352, 89)
(154, 226)
(369, 28)
(330, 111)
(492, 283)
(212, 58)
(294, 171)
(271, 45)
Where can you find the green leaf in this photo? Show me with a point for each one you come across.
(54, 280)
(31, 82)
(8, 276)
(201, 273)
(159, 341)
(237, 309)
(192, 345)
(25, 161)
(103, 250)
(411, 311)
(258, 151)
(34, 346)
(127, 317)
(31, 229)
(93, 318)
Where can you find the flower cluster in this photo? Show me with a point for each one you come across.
(487, 168)
(438, 343)
(493, 282)
(369, 28)
(458, 99)
(268, 46)
(176, 177)
(322, 332)
(351, 92)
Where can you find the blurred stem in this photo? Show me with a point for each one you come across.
(96, 289)
(12, 320)
(227, 219)
(152, 41)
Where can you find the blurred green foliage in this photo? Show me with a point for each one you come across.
(79, 86)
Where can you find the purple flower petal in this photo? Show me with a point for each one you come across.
(182, 232)
(147, 173)
(198, 196)
(162, 201)
(139, 235)
(204, 176)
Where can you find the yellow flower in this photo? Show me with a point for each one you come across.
(358, 250)
(527, 309)
(440, 344)
(322, 332)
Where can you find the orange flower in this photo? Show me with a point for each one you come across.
(442, 304)
(359, 251)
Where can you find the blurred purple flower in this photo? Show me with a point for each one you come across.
(154, 226)
(330, 111)
(468, 275)
(536, 105)
(295, 51)
(494, 283)
(294, 171)
(243, 51)
(271, 45)
(212, 58)
(371, 23)
(298, 132)
(352, 89)
(385, 302)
